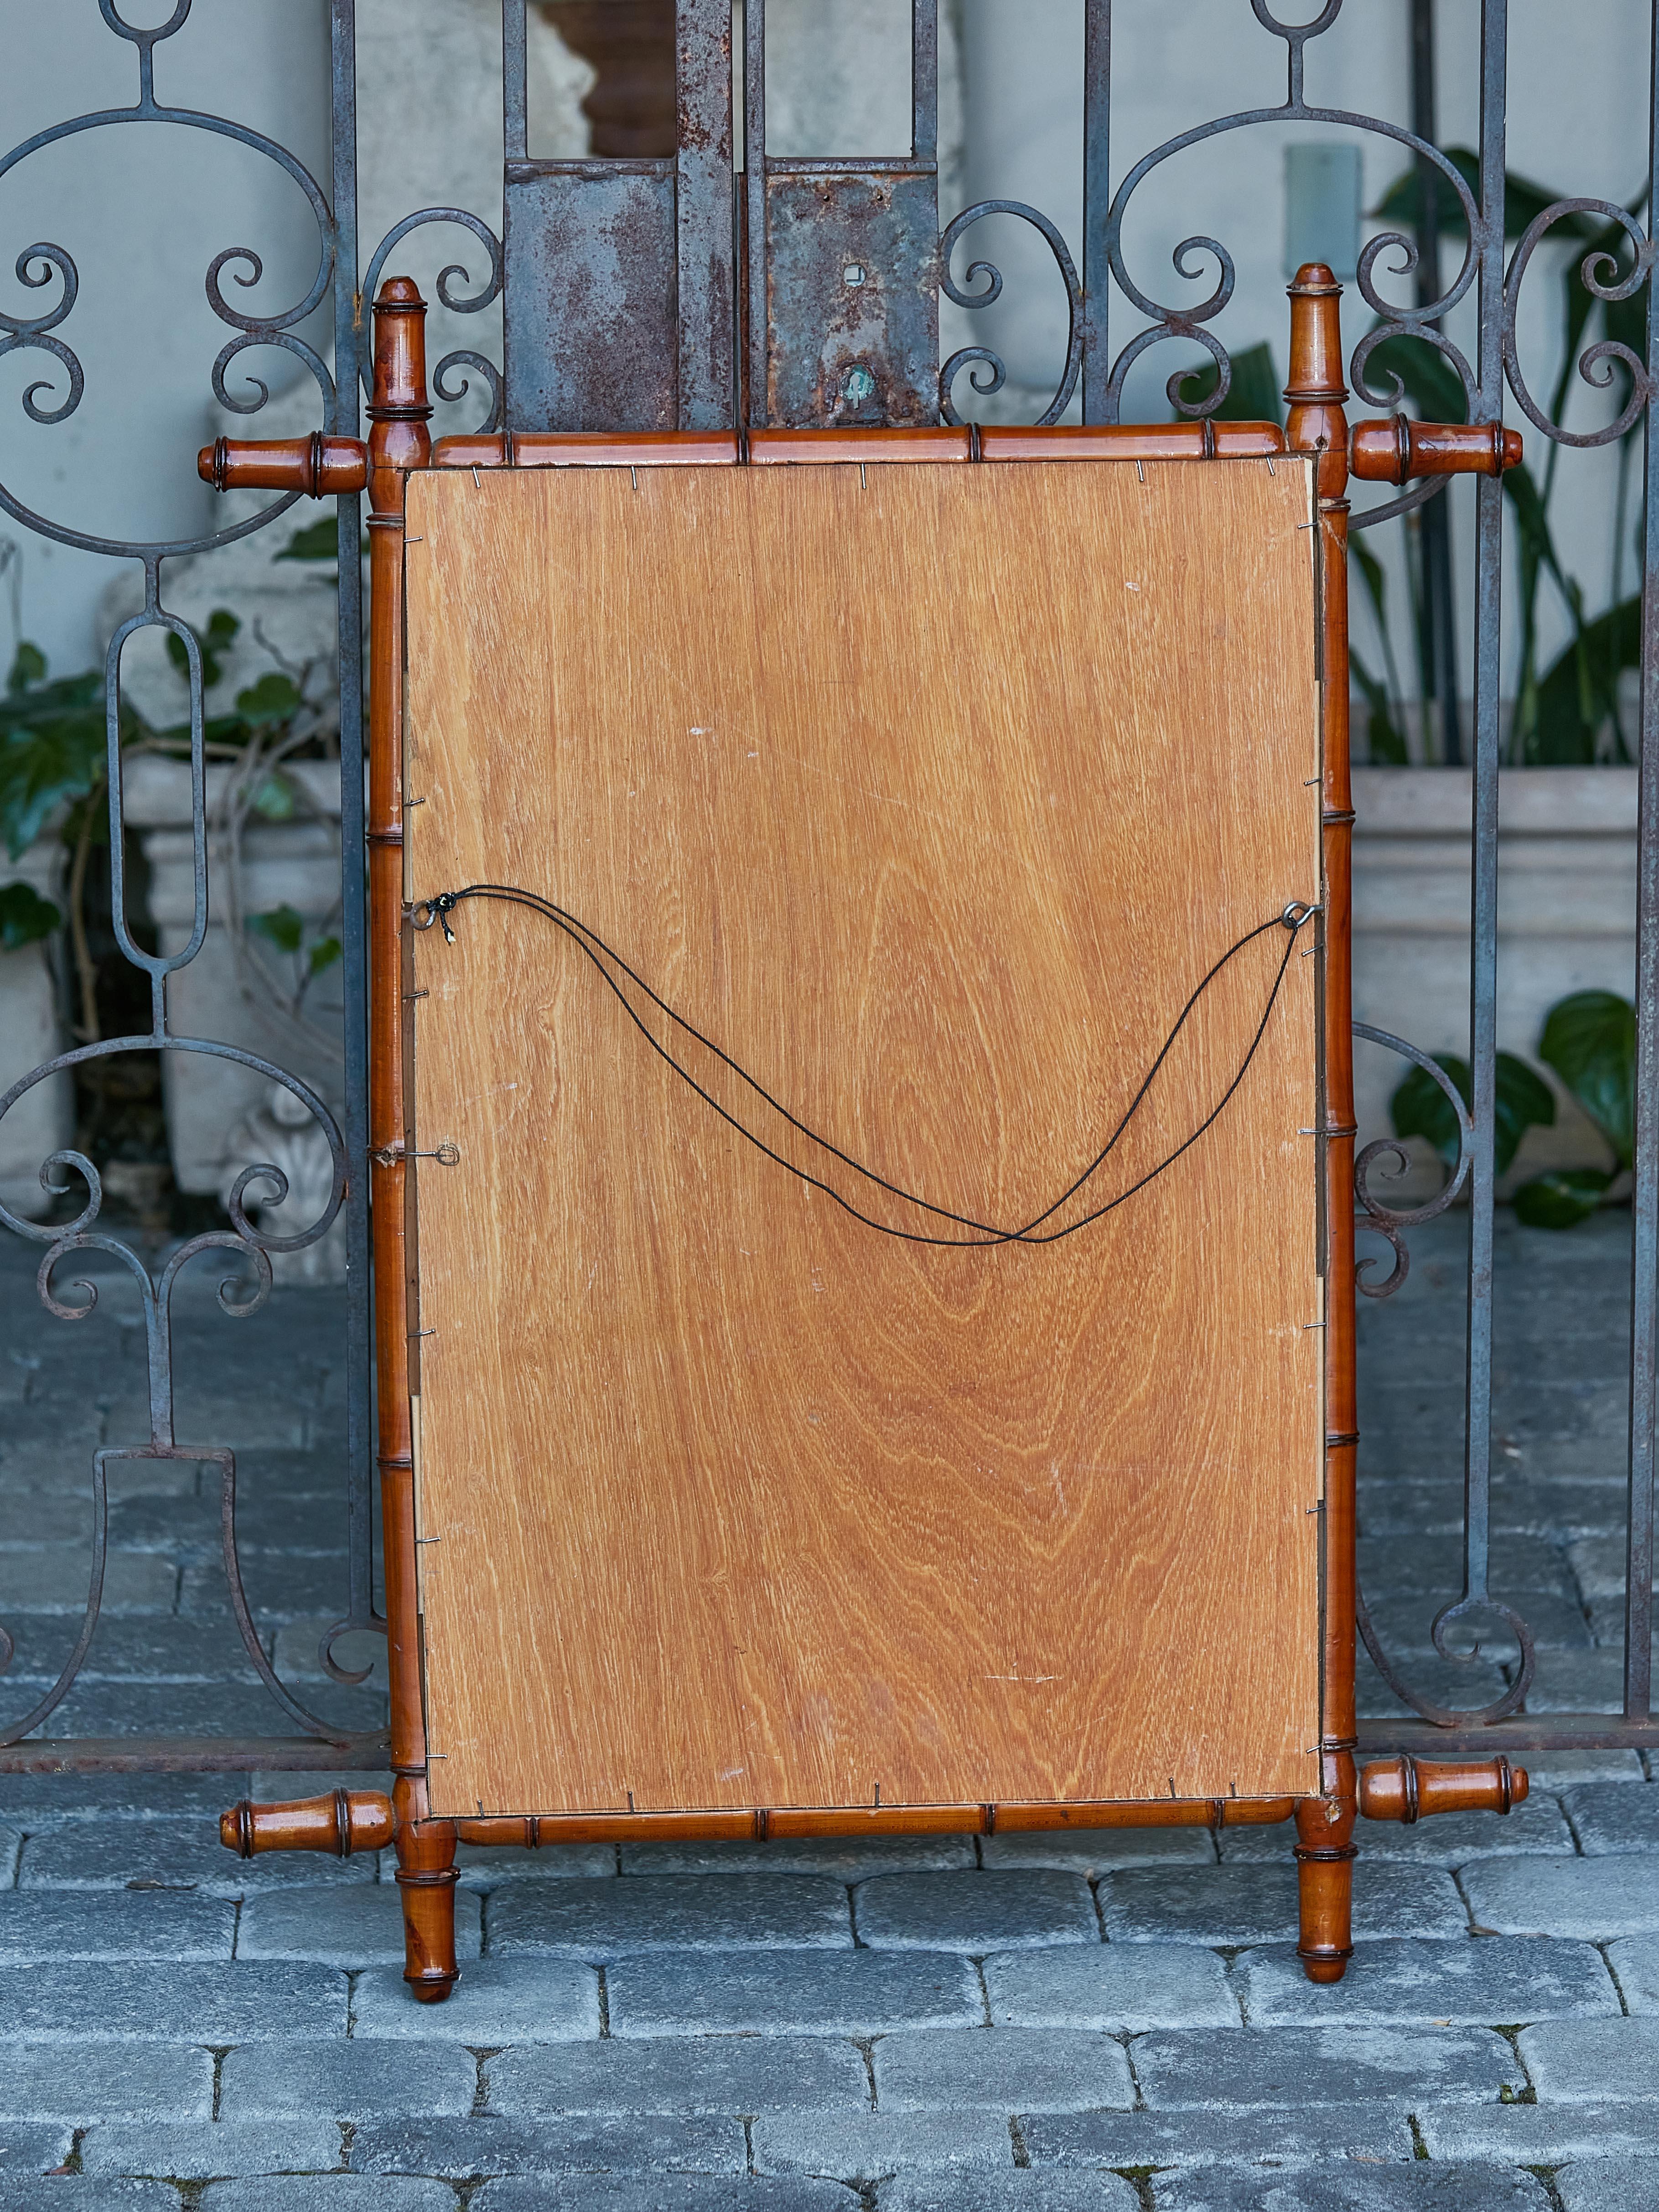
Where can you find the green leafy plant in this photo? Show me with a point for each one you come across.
(1420, 1108)
(221, 634)
(1589, 1040)
(1569, 712)
(1254, 395)
(25, 916)
(284, 927)
(51, 744)
(54, 759)
(1560, 1198)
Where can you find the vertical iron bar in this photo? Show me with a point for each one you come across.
(1096, 270)
(1439, 657)
(515, 120)
(703, 189)
(924, 80)
(753, 159)
(1645, 1192)
(1483, 915)
(347, 399)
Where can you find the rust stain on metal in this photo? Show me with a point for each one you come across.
(852, 299)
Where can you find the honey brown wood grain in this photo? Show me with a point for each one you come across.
(930, 793)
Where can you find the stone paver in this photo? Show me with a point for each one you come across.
(486, 1866)
(326, 2193)
(359, 1925)
(1608, 1818)
(606, 1919)
(667, 2193)
(705, 2074)
(800, 1992)
(182, 1855)
(1417, 2188)
(1593, 2062)
(100, 2082)
(1609, 2185)
(1295, 2066)
(496, 2002)
(45, 1924)
(1020, 2192)
(1114, 1986)
(1456, 1985)
(1283, 2139)
(1590, 1898)
(130, 2002)
(1239, 1904)
(354, 2080)
(587, 2143)
(1095, 1852)
(847, 1858)
(977, 1913)
(1634, 1961)
(202, 2150)
(77, 2194)
(868, 2145)
(1538, 2135)
(1004, 2070)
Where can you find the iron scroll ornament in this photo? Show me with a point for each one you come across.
(37, 267)
(1387, 1221)
(463, 357)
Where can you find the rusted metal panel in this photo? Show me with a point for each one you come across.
(852, 295)
(592, 337)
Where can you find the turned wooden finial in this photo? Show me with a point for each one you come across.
(400, 396)
(1315, 391)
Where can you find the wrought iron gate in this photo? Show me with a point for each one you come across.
(689, 290)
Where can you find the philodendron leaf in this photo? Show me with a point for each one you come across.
(1420, 1108)
(1522, 199)
(1589, 1039)
(282, 925)
(1561, 1198)
(1253, 396)
(324, 954)
(1524, 1099)
(25, 916)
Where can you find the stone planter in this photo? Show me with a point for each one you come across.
(222, 1117)
(32, 1031)
(1566, 922)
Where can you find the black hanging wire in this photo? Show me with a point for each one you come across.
(594, 948)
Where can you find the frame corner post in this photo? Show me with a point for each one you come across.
(426, 1879)
(398, 442)
(1325, 1853)
(1317, 425)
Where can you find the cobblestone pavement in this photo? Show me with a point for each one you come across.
(1097, 2021)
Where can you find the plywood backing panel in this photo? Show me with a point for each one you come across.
(930, 794)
